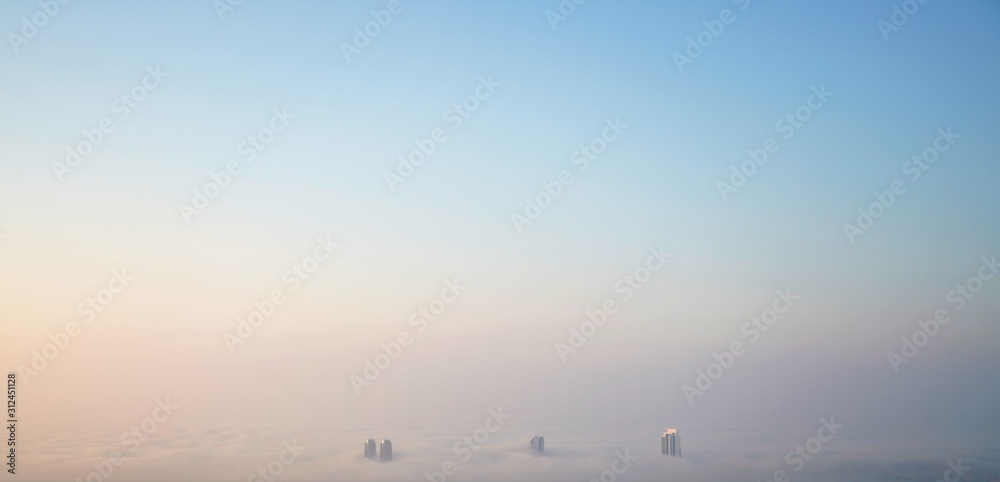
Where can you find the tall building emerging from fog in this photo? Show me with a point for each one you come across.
(670, 443)
(385, 452)
(538, 444)
(370, 448)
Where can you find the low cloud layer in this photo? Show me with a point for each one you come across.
(329, 455)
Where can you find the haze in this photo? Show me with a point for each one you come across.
(743, 220)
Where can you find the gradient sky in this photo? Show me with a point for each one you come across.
(655, 186)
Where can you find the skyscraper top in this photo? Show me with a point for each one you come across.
(385, 451)
(670, 443)
(538, 444)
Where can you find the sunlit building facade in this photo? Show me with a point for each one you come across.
(670, 443)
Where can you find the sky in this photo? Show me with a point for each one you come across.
(576, 212)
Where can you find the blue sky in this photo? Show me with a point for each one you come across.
(605, 60)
